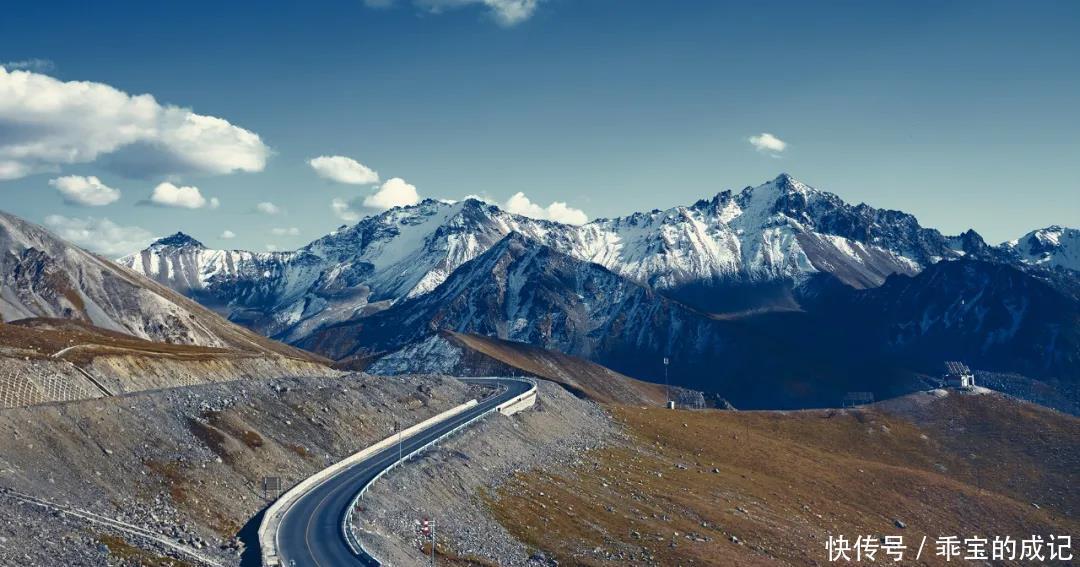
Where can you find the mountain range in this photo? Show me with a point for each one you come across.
(777, 295)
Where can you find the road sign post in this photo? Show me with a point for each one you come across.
(427, 528)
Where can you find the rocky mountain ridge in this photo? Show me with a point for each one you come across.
(737, 251)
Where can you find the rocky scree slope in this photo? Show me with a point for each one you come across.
(453, 482)
(189, 462)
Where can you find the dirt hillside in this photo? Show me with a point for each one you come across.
(768, 488)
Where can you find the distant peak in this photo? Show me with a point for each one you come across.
(178, 240)
(789, 184)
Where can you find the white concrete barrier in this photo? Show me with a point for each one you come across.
(269, 526)
(518, 403)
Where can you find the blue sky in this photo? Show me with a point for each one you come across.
(962, 113)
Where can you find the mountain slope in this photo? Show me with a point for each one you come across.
(524, 291)
(993, 316)
(44, 276)
(459, 354)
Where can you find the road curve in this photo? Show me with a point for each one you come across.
(310, 534)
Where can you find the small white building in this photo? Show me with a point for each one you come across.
(958, 375)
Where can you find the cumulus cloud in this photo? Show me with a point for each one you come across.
(168, 195)
(766, 142)
(268, 208)
(394, 193)
(272, 248)
(100, 235)
(228, 234)
(46, 123)
(85, 191)
(291, 231)
(343, 170)
(556, 211)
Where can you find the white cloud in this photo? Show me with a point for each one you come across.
(343, 170)
(343, 210)
(228, 234)
(394, 193)
(766, 142)
(556, 211)
(46, 123)
(168, 195)
(505, 12)
(272, 248)
(268, 208)
(86, 191)
(291, 231)
(100, 235)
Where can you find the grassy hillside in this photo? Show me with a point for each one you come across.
(766, 488)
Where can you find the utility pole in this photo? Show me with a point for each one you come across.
(667, 387)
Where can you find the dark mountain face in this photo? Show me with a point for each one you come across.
(992, 316)
(178, 240)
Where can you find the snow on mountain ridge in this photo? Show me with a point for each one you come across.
(1053, 246)
(782, 230)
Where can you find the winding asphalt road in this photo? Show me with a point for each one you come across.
(310, 531)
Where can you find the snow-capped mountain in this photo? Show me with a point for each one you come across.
(42, 275)
(1051, 247)
(735, 251)
(525, 291)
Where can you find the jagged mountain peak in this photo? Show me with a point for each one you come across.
(714, 254)
(178, 240)
(1053, 246)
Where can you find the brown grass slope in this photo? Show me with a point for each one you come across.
(47, 336)
(767, 488)
(592, 380)
(61, 360)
